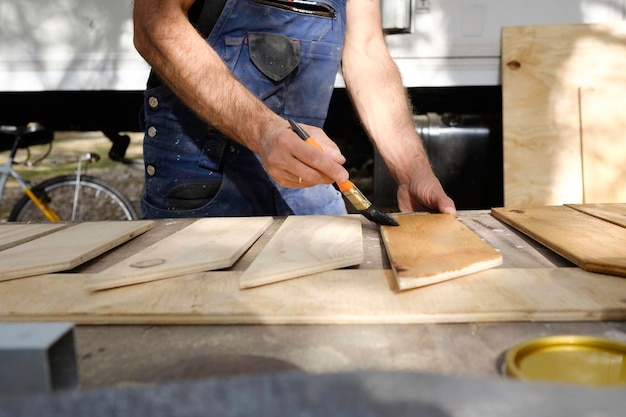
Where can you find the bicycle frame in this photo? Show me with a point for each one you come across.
(6, 171)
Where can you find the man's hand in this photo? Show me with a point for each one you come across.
(292, 162)
(424, 193)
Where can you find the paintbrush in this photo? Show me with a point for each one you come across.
(349, 190)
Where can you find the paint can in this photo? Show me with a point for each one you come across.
(568, 359)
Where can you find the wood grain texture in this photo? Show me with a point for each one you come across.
(589, 242)
(611, 212)
(543, 68)
(333, 297)
(206, 244)
(13, 234)
(67, 248)
(305, 245)
(603, 133)
(430, 248)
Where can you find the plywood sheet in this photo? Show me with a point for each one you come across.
(591, 243)
(67, 248)
(430, 248)
(206, 244)
(611, 212)
(603, 133)
(333, 297)
(12, 234)
(305, 245)
(543, 68)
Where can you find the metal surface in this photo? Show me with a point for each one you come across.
(465, 153)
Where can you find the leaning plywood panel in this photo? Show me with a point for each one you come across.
(603, 133)
(543, 68)
(430, 248)
(13, 234)
(206, 244)
(305, 245)
(589, 242)
(68, 248)
(614, 213)
(343, 296)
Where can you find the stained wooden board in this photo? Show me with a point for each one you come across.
(603, 136)
(13, 234)
(305, 245)
(430, 248)
(206, 244)
(67, 248)
(611, 212)
(543, 68)
(591, 243)
(334, 297)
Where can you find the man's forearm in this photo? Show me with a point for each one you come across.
(197, 75)
(376, 89)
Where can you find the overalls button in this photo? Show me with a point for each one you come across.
(152, 131)
(153, 102)
(150, 170)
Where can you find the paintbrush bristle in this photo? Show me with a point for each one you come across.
(377, 216)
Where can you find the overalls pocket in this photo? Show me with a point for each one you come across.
(308, 95)
(308, 7)
(276, 56)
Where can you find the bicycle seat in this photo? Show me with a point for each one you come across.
(30, 134)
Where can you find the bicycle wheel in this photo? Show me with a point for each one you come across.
(96, 200)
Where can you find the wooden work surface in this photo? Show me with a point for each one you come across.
(123, 355)
(362, 294)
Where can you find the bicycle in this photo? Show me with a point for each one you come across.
(75, 197)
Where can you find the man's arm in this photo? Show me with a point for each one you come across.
(375, 87)
(184, 61)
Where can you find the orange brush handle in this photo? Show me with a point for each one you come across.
(343, 185)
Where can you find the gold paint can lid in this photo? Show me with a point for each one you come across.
(569, 359)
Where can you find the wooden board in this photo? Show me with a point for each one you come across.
(305, 245)
(543, 68)
(603, 135)
(614, 213)
(13, 234)
(430, 248)
(67, 248)
(334, 297)
(591, 243)
(206, 244)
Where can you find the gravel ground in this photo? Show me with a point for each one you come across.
(127, 178)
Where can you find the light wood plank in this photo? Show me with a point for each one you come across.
(206, 244)
(13, 234)
(591, 243)
(614, 213)
(543, 68)
(603, 132)
(305, 245)
(344, 296)
(430, 248)
(67, 248)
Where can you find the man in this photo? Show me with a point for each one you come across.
(217, 138)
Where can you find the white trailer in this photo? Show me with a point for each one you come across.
(71, 64)
(86, 45)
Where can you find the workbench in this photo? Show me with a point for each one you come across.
(112, 355)
(144, 355)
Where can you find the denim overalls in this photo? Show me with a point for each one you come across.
(288, 57)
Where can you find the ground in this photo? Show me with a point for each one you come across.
(127, 178)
